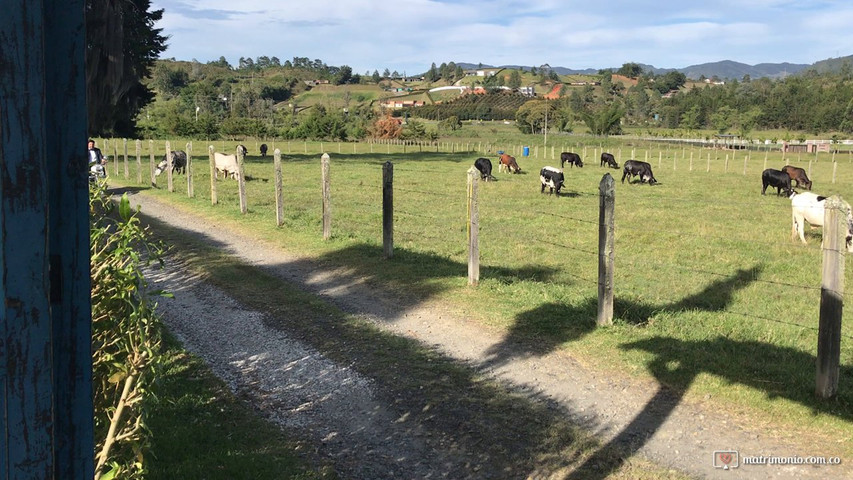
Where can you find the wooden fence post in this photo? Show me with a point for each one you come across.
(126, 164)
(606, 203)
(213, 197)
(388, 209)
(279, 191)
(831, 297)
(327, 197)
(241, 181)
(188, 170)
(115, 156)
(473, 228)
(151, 162)
(169, 164)
(138, 145)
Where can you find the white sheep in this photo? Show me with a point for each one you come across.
(809, 207)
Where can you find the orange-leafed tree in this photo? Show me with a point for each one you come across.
(386, 127)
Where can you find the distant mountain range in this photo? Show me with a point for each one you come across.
(725, 69)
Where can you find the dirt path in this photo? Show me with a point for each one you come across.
(357, 423)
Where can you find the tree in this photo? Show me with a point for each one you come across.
(121, 48)
(432, 74)
(343, 76)
(514, 79)
(723, 119)
(604, 120)
(630, 70)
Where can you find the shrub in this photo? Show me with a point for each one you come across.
(126, 335)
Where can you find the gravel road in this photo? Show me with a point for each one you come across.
(370, 433)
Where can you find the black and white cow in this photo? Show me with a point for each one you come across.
(638, 168)
(484, 165)
(607, 158)
(571, 158)
(263, 149)
(179, 163)
(552, 178)
(776, 178)
(242, 150)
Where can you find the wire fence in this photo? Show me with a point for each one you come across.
(430, 216)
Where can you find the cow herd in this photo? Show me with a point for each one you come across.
(554, 178)
(806, 207)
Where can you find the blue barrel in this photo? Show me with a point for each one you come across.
(526, 152)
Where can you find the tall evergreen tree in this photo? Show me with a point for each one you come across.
(121, 47)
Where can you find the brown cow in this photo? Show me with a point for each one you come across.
(799, 175)
(508, 162)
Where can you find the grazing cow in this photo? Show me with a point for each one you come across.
(552, 178)
(263, 149)
(179, 163)
(799, 175)
(643, 169)
(776, 178)
(225, 164)
(243, 150)
(572, 158)
(809, 207)
(484, 165)
(508, 163)
(607, 158)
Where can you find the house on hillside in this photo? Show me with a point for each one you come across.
(396, 104)
(483, 72)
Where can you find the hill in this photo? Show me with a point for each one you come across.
(724, 69)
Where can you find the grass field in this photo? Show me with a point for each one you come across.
(712, 297)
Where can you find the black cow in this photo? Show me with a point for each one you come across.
(484, 165)
(552, 178)
(571, 158)
(798, 175)
(643, 169)
(179, 163)
(776, 178)
(263, 149)
(609, 160)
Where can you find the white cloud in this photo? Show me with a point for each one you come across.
(411, 34)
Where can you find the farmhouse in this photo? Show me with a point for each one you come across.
(811, 146)
(483, 72)
(402, 103)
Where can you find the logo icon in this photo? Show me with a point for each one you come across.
(726, 459)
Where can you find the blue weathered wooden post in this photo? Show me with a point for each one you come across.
(45, 378)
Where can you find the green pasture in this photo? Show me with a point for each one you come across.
(713, 298)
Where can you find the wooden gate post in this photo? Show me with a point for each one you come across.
(327, 197)
(241, 181)
(606, 203)
(388, 209)
(473, 228)
(213, 197)
(831, 297)
(279, 192)
(169, 165)
(188, 170)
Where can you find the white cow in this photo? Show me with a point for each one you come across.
(809, 207)
(227, 164)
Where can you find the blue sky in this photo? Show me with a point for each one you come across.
(408, 35)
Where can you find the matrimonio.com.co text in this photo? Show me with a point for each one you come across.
(730, 459)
